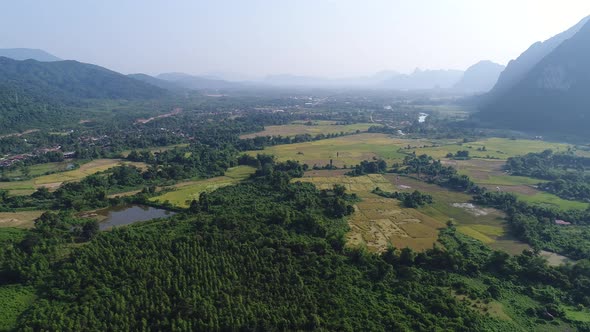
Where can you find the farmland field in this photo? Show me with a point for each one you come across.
(41, 169)
(500, 148)
(184, 192)
(344, 151)
(318, 127)
(53, 181)
(489, 174)
(379, 222)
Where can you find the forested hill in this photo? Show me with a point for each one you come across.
(37, 94)
(553, 96)
(71, 80)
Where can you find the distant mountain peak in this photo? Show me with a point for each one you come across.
(28, 53)
(480, 77)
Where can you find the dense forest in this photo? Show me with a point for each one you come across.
(269, 255)
(566, 173)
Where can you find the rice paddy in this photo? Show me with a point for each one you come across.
(379, 222)
(344, 151)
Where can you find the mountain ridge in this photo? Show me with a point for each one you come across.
(28, 53)
(553, 96)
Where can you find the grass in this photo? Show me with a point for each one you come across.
(318, 127)
(40, 169)
(14, 299)
(543, 198)
(346, 150)
(185, 192)
(53, 181)
(576, 314)
(21, 219)
(500, 148)
(489, 173)
(474, 233)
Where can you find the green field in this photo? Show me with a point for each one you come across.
(580, 315)
(53, 181)
(14, 299)
(346, 150)
(543, 198)
(40, 169)
(489, 174)
(318, 127)
(184, 192)
(500, 148)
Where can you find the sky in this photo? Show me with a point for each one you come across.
(244, 39)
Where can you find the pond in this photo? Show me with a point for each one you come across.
(129, 214)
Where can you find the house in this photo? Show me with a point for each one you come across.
(562, 222)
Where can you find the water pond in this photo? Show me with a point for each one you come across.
(129, 214)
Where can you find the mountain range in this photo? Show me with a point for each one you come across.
(478, 78)
(545, 90)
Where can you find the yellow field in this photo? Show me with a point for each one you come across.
(379, 222)
(185, 192)
(23, 219)
(360, 185)
(318, 127)
(346, 150)
(53, 181)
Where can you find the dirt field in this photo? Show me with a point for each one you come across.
(23, 219)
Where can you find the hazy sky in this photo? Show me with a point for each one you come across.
(307, 37)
